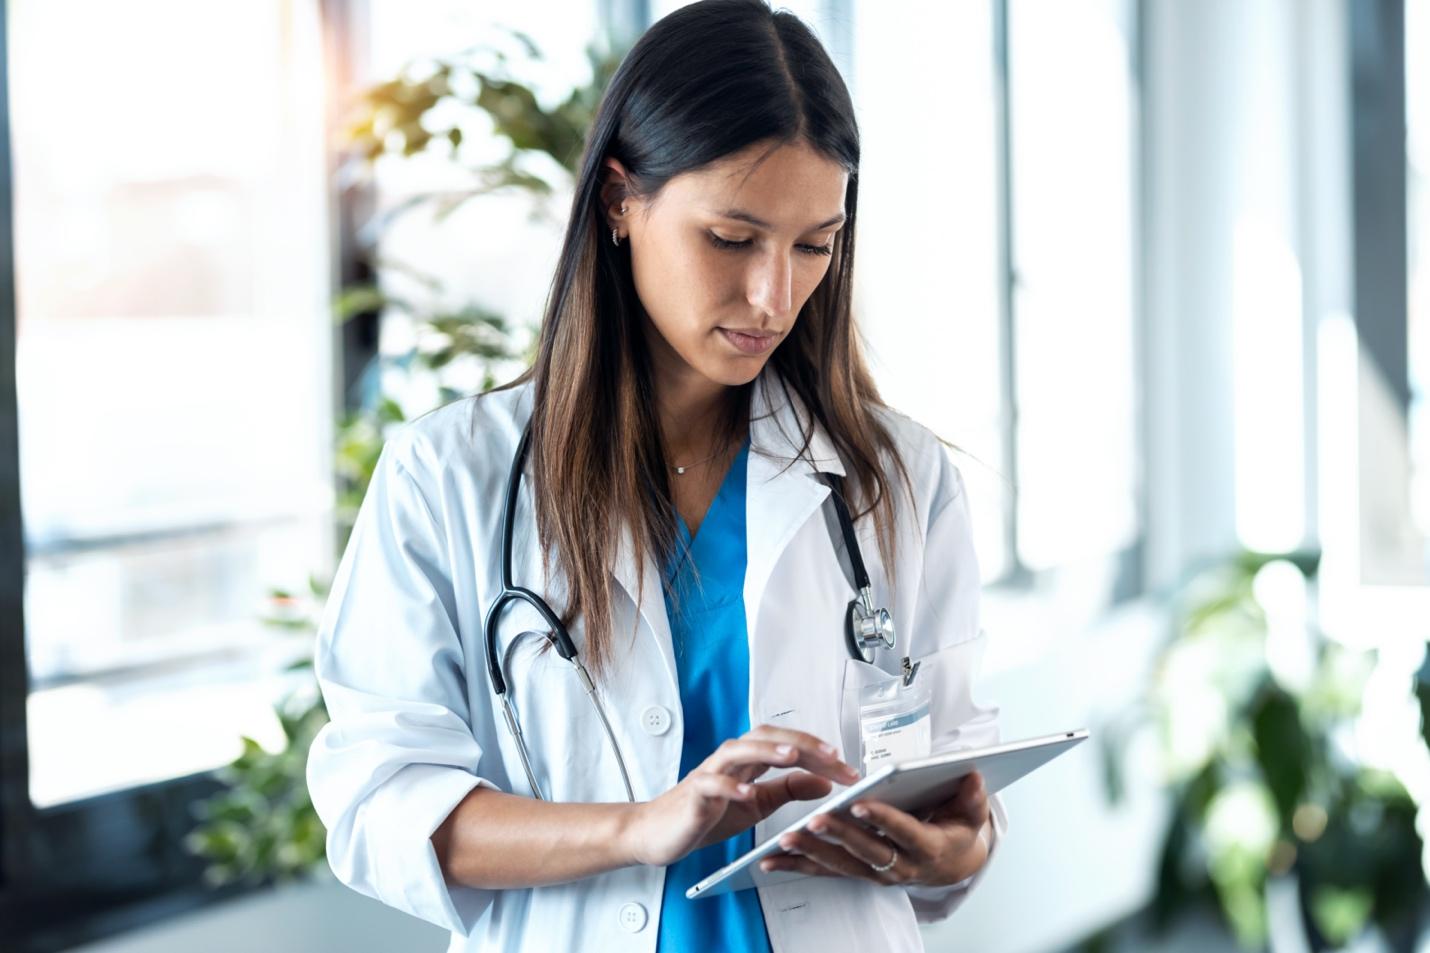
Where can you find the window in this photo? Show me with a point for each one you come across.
(172, 348)
(1073, 175)
(927, 283)
(997, 261)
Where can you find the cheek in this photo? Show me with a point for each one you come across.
(678, 282)
(811, 277)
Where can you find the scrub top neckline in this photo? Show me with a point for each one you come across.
(720, 493)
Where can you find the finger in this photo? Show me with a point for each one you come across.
(911, 835)
(738, 755)
(795, 862)
(858, 840)
(795, 786)
(747, 759)
(833, 856)
(969, 805)
(722, 787)
(814, 750)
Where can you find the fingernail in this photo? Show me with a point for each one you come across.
(744, 789)
(826, 748)
(859, 810)
(784, 749)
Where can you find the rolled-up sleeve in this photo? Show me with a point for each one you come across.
(950, 644)
(398, 753)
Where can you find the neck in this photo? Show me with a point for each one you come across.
(691, 408)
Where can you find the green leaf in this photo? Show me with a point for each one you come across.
(1282, 749)
(1340, 914)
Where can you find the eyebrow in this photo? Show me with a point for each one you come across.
(743, 216)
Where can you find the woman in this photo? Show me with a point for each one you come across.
(698, 370)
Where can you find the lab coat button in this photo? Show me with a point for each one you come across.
(633, 917)
(656, 720)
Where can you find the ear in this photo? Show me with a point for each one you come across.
(615, 190)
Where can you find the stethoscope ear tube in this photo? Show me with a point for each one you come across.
(846, 528)
(557, 633)
(511, 592)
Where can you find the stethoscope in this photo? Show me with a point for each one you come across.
(865, 630)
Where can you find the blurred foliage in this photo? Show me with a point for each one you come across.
(262, 827)
(1259, 757)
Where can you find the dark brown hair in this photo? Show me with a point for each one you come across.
(706, 81)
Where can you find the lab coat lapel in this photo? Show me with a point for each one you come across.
(781, 492)
(782, 489)
(650, 599)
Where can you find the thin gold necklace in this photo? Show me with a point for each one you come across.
(680, 470)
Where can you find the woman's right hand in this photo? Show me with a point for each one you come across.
(720, 797)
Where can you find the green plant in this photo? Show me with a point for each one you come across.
(1253, 706)
(262, 827)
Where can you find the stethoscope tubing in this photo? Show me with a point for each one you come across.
(866, 627)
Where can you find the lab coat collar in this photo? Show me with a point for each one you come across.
(783, 490)
(778, 419)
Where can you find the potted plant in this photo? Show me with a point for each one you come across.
(262, 827)
(1253, 707)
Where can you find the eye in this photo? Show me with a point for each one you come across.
(822, 250)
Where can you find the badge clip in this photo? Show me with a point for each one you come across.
(910, 670)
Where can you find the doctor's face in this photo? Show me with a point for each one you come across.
(725, 257)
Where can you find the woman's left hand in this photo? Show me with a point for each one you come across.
(944, 849)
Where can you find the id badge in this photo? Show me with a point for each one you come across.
(894, 723)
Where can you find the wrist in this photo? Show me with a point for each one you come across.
(627, 836)
(985, 835)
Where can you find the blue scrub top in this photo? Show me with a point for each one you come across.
(707, 624)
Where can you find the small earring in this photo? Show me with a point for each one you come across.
(615, 236)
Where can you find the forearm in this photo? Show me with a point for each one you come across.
(497, 840)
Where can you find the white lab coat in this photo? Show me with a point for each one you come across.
(414, 726)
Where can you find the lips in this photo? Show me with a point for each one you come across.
(750, 342)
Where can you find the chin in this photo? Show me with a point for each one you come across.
(737, 372)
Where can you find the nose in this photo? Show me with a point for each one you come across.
(772, 285)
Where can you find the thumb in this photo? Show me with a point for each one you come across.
(969, 806)
(795, 786)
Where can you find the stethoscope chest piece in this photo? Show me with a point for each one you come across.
(867, 628)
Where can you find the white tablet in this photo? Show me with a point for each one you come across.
(912, 786)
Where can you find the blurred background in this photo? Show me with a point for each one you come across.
(1159, 268)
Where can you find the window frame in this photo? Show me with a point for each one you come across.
(1380, 291)
(1127, 566)
(103, 865)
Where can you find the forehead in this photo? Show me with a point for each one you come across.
(792, 187)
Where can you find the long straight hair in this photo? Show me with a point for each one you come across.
(708, 80)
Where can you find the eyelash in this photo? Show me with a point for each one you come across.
(823, 250)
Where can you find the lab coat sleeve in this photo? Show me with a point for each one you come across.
(398, 753)
(950, 642)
